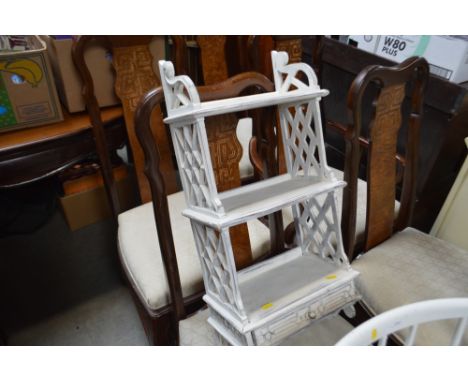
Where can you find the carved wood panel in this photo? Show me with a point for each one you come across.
(135, 77)
(293, 47)
(381, 167)
(225, 150)
(213, 58)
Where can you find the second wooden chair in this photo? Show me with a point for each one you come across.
(399, 265)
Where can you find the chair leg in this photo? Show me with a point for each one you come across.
(160, 331)
(164, 329)
(163, 332)
(363, 314)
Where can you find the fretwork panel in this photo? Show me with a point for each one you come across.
(192, 165)
(319, 228)
(300, 140)
(219, 272)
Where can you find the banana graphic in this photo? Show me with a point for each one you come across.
(28, 69)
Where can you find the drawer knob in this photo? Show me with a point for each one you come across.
(312, 315)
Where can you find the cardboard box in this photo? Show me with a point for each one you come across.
(447, 55)
(28, 96)
(99, 61)
(85, 201)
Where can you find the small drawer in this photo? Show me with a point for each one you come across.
(290, 323)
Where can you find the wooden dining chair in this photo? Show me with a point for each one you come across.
(398, 264)
(137, 233)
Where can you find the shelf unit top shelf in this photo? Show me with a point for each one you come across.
(231, 105)
(262, 198)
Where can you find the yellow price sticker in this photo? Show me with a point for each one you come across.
(374, 334)
(331, 277)
(267, 306)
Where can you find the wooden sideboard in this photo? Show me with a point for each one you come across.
(444, 123)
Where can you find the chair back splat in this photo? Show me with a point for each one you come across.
(393, 83)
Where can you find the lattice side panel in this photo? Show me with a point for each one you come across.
(320, 229)
(219, 271)
(192, 165)
(302, 137)
(300, 140)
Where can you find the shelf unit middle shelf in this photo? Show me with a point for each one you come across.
(262, 198)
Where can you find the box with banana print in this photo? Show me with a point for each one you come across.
(28, 96)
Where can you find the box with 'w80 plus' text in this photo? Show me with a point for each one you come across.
(447, 56)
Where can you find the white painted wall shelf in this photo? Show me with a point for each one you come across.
(265, 303)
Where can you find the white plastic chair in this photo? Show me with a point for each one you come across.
(379, 328)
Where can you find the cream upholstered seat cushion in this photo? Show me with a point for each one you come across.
(412, 266)
(195, 331)
(141, 257)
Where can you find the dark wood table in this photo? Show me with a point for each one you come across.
(38, 152)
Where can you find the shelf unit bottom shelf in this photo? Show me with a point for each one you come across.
(272, 286)
(283, 295)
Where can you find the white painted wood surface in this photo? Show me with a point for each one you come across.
(261, 198)
(232, 105)
(267, 302)
(411, 316)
